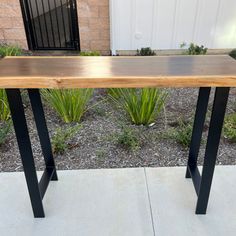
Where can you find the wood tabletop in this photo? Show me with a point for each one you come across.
(120, 72)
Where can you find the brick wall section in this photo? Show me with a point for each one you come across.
(94, 25)
(11, 23)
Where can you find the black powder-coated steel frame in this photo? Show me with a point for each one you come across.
(203, 183)
(37, 190)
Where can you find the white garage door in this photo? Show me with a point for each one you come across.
(165, 24)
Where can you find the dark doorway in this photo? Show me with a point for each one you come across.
(51, 24)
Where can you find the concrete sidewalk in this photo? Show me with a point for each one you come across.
(120, 202)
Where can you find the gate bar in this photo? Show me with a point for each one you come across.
(45, 22)
(50, 15)
(40, 25)
(59, 33)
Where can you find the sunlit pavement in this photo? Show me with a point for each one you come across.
(120, 202)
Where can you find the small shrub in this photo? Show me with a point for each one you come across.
(10, 50)
(194, 49)
(100, 111)
(70, 104)
(4, 107)
(92, 53)
(5, 128)
(142, 106)
(128, 139)
(183, 45)
(61, 138)
(233, 54)
(101, 153)
(182, 133)
(229, 129)
(145, 52)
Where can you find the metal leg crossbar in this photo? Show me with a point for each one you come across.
(36, 190)
(202, 183)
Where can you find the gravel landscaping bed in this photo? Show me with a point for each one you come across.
(95, 145)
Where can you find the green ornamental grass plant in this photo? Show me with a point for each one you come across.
(142, 106)
(5, 128)
(10, 50)
(128, 139)
(61, 138)
(7, 50)
(4, 107)
(181, 133)
(194, 49)
(70, 104)
(233, 53)
(230, 127)
(90, 53)
(145, 52)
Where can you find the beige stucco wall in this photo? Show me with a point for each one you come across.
(11, 23)
(93, 19)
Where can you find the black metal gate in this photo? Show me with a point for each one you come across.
(51, 24)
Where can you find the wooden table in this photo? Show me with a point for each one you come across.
(33, 73)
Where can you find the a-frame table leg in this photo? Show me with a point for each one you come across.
(23, 139)
(37, 107)
(203, 183)
(215, 129)
(200, 116)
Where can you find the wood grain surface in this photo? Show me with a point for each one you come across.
(120, 72)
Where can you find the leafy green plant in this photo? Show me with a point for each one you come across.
(183, 45)
(142, 106)
(128, 139)
(10, 50)
(4, 107)
(233, 54)
(92, 53)
(100, 111)
(182, 133)
(229, 129)
(61, 138)
(70, 104)
(101, 153)
(5, 128)
(145, 52)
(194, 49)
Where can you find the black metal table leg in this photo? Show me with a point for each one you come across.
(22, 135)
(200, 116)
(216, 124)
(42, 129)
